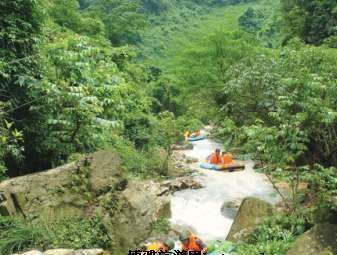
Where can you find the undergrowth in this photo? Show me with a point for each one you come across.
(17, 234)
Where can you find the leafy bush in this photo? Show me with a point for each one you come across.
(133, 160)
(274, 236)
(143, 163)
(17, 234)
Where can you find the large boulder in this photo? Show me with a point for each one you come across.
(320, 240)
(92, 186)
(140, 205)
(64, 190)
(252, 211)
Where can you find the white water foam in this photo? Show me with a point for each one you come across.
(201, 209)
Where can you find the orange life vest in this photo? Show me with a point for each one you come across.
(192, 244)
(227, 159)
(215, 159)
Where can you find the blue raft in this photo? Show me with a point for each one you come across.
(209, 166)
(229, 168)
(196, 138)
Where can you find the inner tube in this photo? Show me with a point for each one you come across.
(227, 168)
(209, 166)
(196, 138)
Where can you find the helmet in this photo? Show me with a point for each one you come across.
(183, 237)
(169, 243)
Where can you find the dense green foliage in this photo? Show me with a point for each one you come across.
(76, 233)
(20, 31)
(312, 21)
(253, 19)
(131, 76)
(64, 86)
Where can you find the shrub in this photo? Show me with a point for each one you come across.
(275, 235)
(17, 234)
(162, 225)
(78, 233)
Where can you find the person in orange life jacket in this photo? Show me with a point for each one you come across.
(191, 242)
(227, 158)
(215, 158)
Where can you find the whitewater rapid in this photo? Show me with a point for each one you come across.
(200, 209)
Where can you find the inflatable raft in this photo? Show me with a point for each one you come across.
(196, 138)
(229, 168)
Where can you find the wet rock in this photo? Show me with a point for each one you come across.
(60, 252)
(181, 183)
(185, 146)
(230, 208)
(191, 160)
(320, 240)
(252, 211)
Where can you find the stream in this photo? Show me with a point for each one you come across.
(200, 209)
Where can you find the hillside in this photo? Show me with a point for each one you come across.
(141, 83)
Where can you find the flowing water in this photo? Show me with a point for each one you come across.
(200, 209)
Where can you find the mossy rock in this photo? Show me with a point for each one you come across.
(320, 240)
(252, 212)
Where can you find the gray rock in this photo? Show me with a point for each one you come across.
(59, 252)
(252, 211)
(181, 183)
(229, 209)
(138, 207)
(128, 210)
(34, 252)
(89, 252)
(191, 160)
(181, 147)
(320, 240)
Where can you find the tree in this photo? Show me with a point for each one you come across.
(168, 134)
(123, 20)
(252, 19)
(9, 142)
(20, 30)
(312, 21)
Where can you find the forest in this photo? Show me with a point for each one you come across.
(79, 76)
